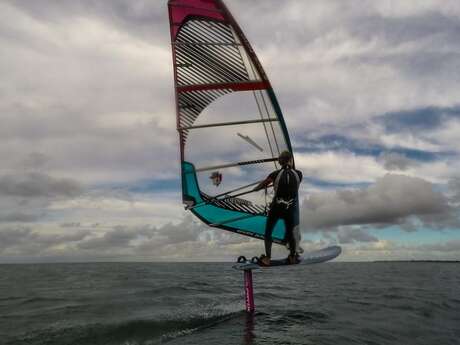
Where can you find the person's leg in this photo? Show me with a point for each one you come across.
(288, 218)
(271, 221)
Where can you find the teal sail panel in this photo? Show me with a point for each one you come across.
(231, 128)
(211, 214)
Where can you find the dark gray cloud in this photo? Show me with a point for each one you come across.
(25, 197)
(185, 239)
(18, 217)
(187, 230)
(406, 29)
(12, 237)
(119, 237)
(70, 225)
(418, 120)
(24, 241)
(145, 238)
(390, 200)
(454, 189)
(347, 236)
(35, 161)
(18, 244)
(33, 185)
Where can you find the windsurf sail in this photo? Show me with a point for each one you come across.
(222, 91)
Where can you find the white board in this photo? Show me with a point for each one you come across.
(315, 257)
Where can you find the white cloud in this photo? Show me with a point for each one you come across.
(391, 200)
(396, 161)
(339, 167)
(392, 250)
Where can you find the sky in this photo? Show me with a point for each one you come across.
(89, 149)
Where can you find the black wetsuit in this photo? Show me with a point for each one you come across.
(284, 206)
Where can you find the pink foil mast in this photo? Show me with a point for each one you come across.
(249, 291)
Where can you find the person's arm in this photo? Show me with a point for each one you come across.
(264, 184)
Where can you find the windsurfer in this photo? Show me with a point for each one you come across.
(286, 182)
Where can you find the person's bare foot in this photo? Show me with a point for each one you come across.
(293, 259)
(264, 260)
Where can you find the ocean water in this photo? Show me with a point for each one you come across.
(202, 303)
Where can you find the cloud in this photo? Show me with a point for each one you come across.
(12, 237)
(70, 225)
(35, 161)
(103, 55)
(119, 207)
(420, 122)
(24, 241)
(392, 250)
(396, 161)
(15, 217)
(145, 238)
(26, 197)
(34, 185)
(346, 236)
(345, 167)
(390, 200)
(454, 190)
(444, 247)
(119, 237)
(187, 239)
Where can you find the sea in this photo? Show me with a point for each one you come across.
(203, 303)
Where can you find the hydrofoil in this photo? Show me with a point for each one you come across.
(315, 257)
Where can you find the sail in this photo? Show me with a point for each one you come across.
(231, 128)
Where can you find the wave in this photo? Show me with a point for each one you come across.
(192, 287)
(26, 301)
(289, 317)
(31, 300)
(136, 332)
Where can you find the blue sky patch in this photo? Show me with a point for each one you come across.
(146, 186)
(418, 120)
(420, 236)
(154, 186)
(331, 184)
(334, 142)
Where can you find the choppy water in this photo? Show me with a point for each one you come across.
(201, 303)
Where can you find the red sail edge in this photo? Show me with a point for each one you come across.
(180, 10)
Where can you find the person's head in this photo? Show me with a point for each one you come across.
(285, 158)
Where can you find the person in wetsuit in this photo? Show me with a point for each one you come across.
(286, 182)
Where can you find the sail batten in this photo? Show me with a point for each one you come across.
(231, 165)
(219, 85)
(185, 44)
(235, 86)
(233, 123)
